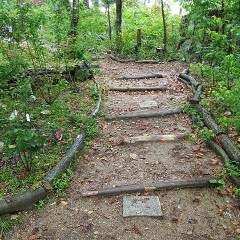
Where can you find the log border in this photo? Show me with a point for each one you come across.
(222, 145)
(25, 200)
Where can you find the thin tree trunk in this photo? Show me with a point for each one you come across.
(75, 19)
(86, 4)
(109, 22)
(119, 24)
(164, 27)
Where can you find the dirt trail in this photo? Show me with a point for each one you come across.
(188, 214)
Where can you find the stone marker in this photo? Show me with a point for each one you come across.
(137, 206)
(148, 104)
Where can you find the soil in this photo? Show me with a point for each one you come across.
(188, 213)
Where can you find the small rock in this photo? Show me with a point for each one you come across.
(148, 104)
(45, 112)
(133, 156)
(189, 232)
(14, 217)
(228, 114)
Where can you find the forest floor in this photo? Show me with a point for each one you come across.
(187, 214)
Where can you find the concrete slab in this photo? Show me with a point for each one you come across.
(136, 206)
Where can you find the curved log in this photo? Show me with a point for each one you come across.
(196, 98)
(137, 89)
(150, 75)
(189, 79)
(208, 119)
(21, 201)
(230, 148)
(220, 152)
(145, 114)
(64, 163)
(24, 200)
(156, 186)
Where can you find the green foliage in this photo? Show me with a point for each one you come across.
(219, 183)
(62, 182)
(40, 204)
(7, 224)
(91, 129)
(206, 134)
(24, 143)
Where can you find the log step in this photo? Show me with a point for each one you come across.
(145, 76)
(156, 186)
(155, 138)
(137, 89)
(145, 114)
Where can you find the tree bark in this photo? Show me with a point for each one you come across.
(137, 89)
(164, 27)
(109, 22)
(145, 114)
(147, 75)
(155, 186)
(74, 19)
(119, 25)
(86, 4)
(138, 40)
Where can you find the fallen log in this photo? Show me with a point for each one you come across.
(145, 114)
(21, 201)
(220, 152)
(230, 148)
(146, 76)
(121, 60)
(149, 61)
(196, 98)
(64, 163)
(156, 186)
(67, 73)
(68, 70)
(184, 82)
(155, 138)
(208, 119)
(189, 79)
(137, 89)
(186, 71)
(99, 99)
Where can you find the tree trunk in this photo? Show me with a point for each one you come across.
(164, 27)
(109, 22)
(119, 25)
(138, 40)
(86, 4)
(75, 19)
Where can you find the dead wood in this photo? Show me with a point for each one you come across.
(137, 89)
(145, 76)
(145, 114)
(155, 138)
(156, 186)
(196, 98)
